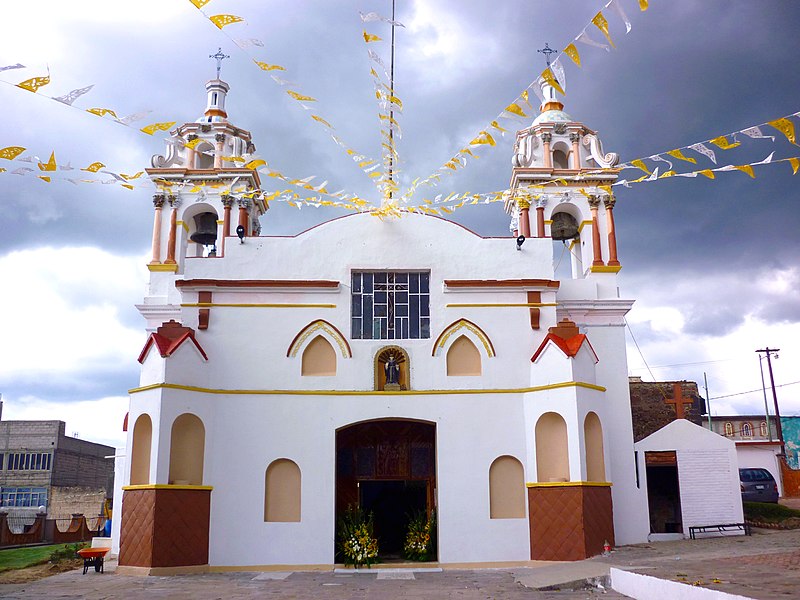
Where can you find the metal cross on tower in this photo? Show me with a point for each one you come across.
(219, 56)
(547, 51)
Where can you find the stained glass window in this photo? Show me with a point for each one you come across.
(390, 305)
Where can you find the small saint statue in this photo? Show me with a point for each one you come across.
(392, 370)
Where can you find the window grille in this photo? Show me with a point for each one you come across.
(28, 461)
(390, 305)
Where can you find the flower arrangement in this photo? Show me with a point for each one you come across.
(356, 541)
(419, 544)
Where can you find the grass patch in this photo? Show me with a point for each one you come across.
(767, 512)
(19, 558)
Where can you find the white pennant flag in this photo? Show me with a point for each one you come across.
(584, 38)
(656, 157)
(9, 67)
(755, 133)
(73, 95)
(537, 89)
(247, 42)
(67, 167)
(134, 117)
(558, 72)
(692, 174)
(766, 160)
(281, 81)
(373, 16)
(705, 151)
(73, 181)
(21, 171)
(653, 175)
(615, 4)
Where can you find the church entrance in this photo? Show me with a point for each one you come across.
(386, 468)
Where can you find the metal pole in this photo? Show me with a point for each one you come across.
(708, 400)
(768, 351)
(764, 389)
(391, 114)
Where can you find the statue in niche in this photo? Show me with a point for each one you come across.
(392, 370)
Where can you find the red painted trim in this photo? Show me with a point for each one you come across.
(329, 324)
(754, 443)
(264, 283)
(507, 283)
(167, 347)
(436, 343)
(570, 347)
(125, 422)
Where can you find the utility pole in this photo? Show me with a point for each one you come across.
(708, 400)
(764, 390)
(769, 352)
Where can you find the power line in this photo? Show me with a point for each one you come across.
(753, 391)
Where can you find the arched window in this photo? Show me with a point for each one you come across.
(506, 489)
(560, 159)
(463, 358)
(552, 453)
(764, 430)
(593, 442)
(140, 451)
(282, 492)
(186, 450)
(747, 430)
(319, 358)
(728, 428)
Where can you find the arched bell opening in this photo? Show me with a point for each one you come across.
(564, 231)
(204, 156)
(203, 231)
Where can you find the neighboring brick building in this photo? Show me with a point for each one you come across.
(41, 466)
(653, 404)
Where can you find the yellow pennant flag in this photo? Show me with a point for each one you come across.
(300, 97)
(127, 177)
(268, 67)
(468, 151)
(370, 38)
(44, 178)
(602, 24)
(11, 152)
(222, 20)
(233, 159)
(514, 109)
(639, 164)
(127, 185)
(708, 173)
(786, 127)
(101, 112)
(572, 52)
(2, 170)
(795, 162)
(94, 167)
(496, 125)
(679, 155)
(745, 169)
(723, 143)
(199, 3)
(254, 164)
(193, 143)
(667, 174)
(548, 76)
(321, 120)
(34, 83)
(50, 165)
(483, 138)
(643, 5)
(151, 129)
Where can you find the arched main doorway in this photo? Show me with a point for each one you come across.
(388, 468)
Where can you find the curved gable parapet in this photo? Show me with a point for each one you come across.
(464, 327)
(319, 327)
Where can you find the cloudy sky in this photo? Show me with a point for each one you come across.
(712, 264)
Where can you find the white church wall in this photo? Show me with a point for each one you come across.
(153, 368)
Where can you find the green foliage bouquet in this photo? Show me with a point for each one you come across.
(356, 541)
(419, 544)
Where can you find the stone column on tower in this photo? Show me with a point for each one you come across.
(244, 204)
(158, 202)
(219, 140)
(540, 204)
(609, 202)
(173, 230)
(227, 201)
(547, 155)
(191, 153)
(594, 203)
(524, 218)
(576, 155)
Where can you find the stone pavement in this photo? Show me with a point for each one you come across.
(764, 566)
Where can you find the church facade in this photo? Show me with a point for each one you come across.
(397, 365)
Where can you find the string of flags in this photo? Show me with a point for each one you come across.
(521, 107)
(305, 101)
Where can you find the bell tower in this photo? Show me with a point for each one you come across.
(560, 170)
(208, 191)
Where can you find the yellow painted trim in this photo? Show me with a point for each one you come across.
(220, 222)
(548, 222)
(183, 224)
(605, 269)
(500, 304)
(574, 243)
(464, 324)
(539, 388)
(264, 305)
(313, 327)
(172, 268)
(582, 224)
(570, 484)
(164, 486)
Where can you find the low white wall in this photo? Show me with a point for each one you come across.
(644, 587)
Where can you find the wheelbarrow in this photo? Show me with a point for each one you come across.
(93, 557)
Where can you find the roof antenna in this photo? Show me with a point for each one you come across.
(219, 56)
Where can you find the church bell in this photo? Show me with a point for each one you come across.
(205, 229)
(564, 227)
